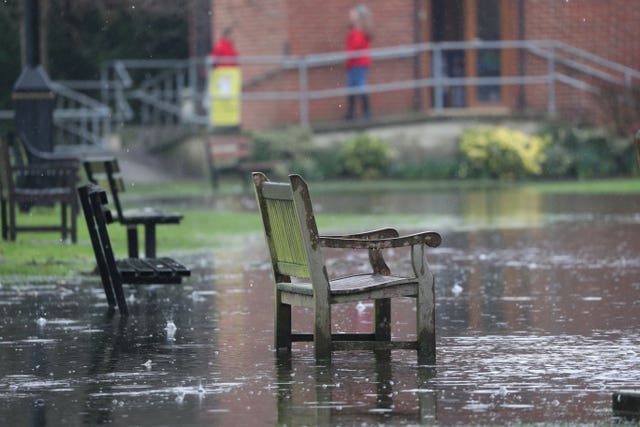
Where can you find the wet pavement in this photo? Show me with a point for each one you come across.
(537, 322)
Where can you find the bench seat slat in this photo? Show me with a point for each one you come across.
(150, 215)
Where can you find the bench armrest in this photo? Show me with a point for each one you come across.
(429, 238)
(380, 233)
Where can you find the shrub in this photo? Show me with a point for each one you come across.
(364, 156)
(575, 152)
(286, 143)
(500, 152)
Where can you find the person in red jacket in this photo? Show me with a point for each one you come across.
(357, 47)
(225, 50)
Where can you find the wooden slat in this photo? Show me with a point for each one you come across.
(290, 256)
(296, 288)
(364, 283)
(177, 267)
(276, 190)
(150, 215)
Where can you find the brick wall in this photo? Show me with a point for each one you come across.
(299, 27)
(608, 28)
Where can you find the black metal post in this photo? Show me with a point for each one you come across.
(32, 93)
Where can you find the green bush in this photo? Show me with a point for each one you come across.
(364, 156)
(280, 144)
(500, 152)
(575, 152)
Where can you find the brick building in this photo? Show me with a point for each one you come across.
(291, 28)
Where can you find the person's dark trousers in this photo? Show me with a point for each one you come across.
(365, 106)
(351, 107)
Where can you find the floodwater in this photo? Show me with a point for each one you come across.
(538, 307)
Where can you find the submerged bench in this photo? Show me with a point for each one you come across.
(106, 171)
(114, 273)
(232, 153)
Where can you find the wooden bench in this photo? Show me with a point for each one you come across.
(106, 171)
(231, 153)
(296, 251)
(24, 183)
(114, 273)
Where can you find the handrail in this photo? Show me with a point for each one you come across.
(174, 90)
(598, 59)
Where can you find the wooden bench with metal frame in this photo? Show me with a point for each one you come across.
(296, 251)
(105, 171)
(25, 184)
(114, 273)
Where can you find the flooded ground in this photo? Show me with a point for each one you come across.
(538, 307)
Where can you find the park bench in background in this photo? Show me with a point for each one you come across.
(114, 273)
(25, 183)
(231, 153)
(105, 171)
(296, 251)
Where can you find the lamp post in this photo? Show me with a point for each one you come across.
(32, 94)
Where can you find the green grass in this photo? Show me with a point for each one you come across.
(42, 254)
(198, 189)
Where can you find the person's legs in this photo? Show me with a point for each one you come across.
(351, 99)
(364, 96)
(366, 113)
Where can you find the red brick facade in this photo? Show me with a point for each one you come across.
(609, 29)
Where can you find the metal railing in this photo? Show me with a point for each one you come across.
(174, 92)
(78, 119)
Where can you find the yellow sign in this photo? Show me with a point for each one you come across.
(225, 84)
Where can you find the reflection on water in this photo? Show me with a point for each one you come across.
(538, 303)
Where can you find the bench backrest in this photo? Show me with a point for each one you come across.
(106, 173)
(281, 228)
(93, 200)
(291, 231)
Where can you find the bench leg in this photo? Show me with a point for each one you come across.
(282, 327)
(3, 213)
(74, 222)
(12, 220)
(117, 289)
(63, 219)
(132, 240)
(149, 240)
(383, 319)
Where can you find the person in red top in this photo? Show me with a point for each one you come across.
(225, 50)
(357, 47)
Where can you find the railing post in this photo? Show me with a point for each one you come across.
(106, 129)
(551, 76)
(628, 95)
(104, 84)
(193, 76)
(179, 82)
(304, 92)
(438, 88)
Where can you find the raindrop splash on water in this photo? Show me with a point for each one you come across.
(171, 330)
(456, 290)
